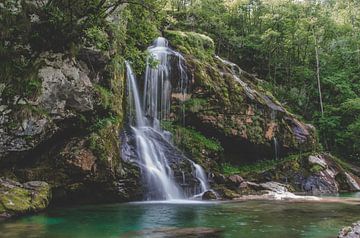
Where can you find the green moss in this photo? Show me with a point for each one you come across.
(16, 200)
(2, 208)
(193, 142)
(316, 168)
(104, 142)
(195, 104)
(292, 161)
(103, 139)
(42, 198)
(192, 43)
(106, 96)
(345, 166)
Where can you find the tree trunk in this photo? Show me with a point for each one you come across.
(318, 73)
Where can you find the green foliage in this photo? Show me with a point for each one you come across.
(191, 43)
(106, 96)
(97, 37)
(101, 123)
(104, 141)
(316, 168)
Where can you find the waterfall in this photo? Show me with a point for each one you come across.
(276, 148)
(201, 176)
(155, 155)
(158, 87)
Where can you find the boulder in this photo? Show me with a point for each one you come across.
(350, 231)
(209, 195)
(275, 187)
(18, 199)
(235, 179)
(313, 174)
(317, 160)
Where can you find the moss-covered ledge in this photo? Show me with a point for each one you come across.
(191, 43)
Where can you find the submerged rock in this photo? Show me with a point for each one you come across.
(350, 231)
(174, 232)
(18, 199)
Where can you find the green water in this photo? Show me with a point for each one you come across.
(248, 219)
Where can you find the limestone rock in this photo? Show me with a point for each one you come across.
(317, 160)
(65, 85)
(68, 133)
(351, 231)
(313, 174)
(66, 90)
(275, 187)
(234, 181)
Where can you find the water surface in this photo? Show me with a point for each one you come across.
(250, 219)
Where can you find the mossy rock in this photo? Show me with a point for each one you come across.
(17, 199)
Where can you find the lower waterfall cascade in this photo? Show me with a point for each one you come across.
(151, 147)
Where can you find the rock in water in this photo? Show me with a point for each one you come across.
(18, 199)
(350, 231)
(209, 195)
(174, 232)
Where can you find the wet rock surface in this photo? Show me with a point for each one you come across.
(352, 231)
(209, 195)
(313, 174)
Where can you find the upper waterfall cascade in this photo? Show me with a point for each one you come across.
(152, 147)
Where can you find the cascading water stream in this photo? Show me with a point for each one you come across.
(151, 142)
(201, 176)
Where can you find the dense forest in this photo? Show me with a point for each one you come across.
(307, 52)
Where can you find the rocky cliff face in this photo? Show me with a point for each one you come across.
(230, 104)
(68, 134)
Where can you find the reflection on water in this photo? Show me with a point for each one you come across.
(249, 219)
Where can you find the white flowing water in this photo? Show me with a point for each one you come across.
(152, 143)
(276, 148)
(201, 176)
